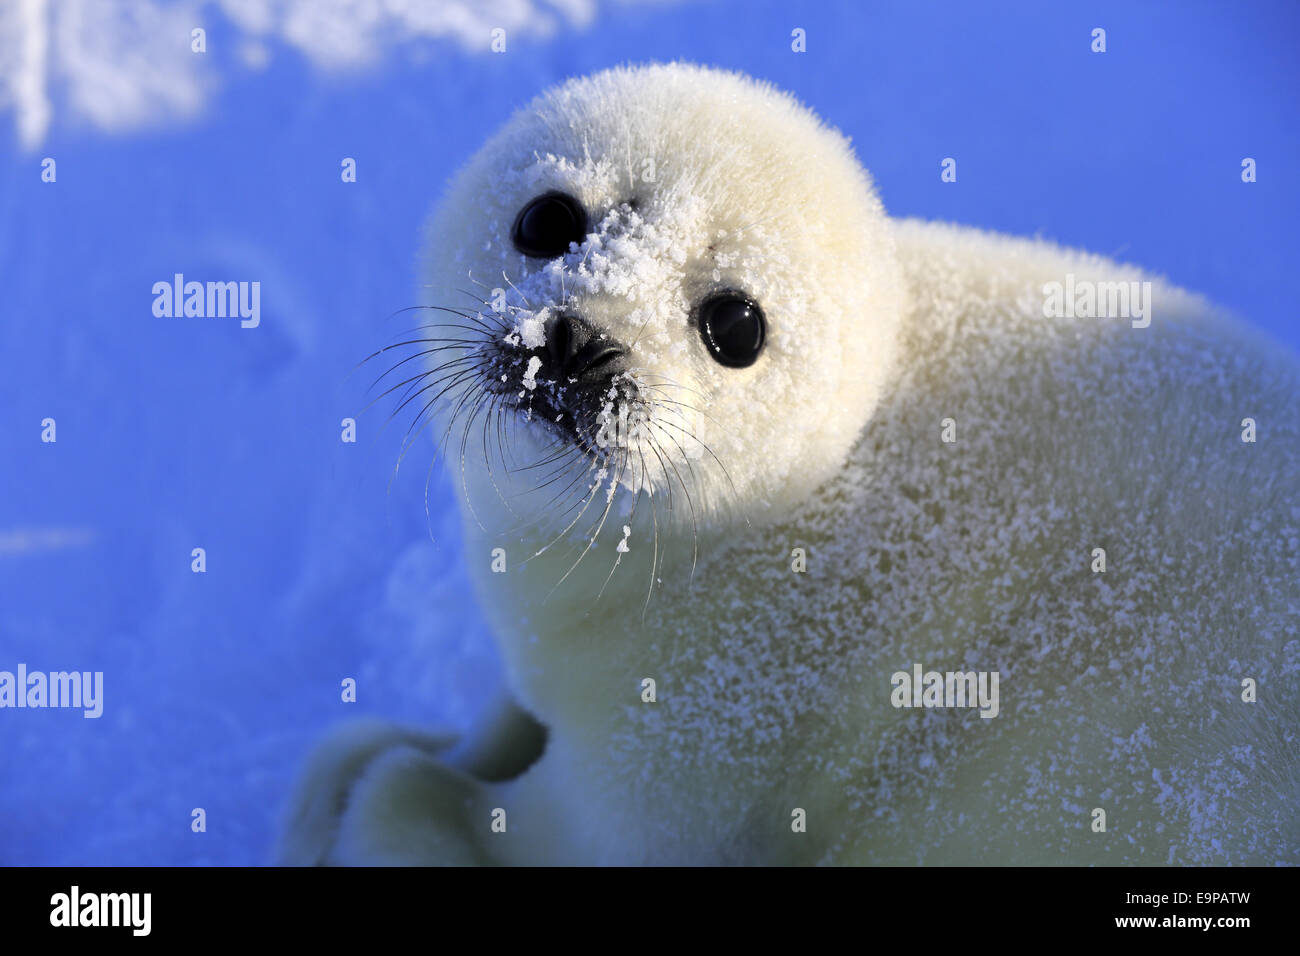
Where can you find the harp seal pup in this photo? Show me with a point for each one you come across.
(720, 424)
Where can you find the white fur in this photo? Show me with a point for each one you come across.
(1118, 690)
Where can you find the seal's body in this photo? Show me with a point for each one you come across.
(858, 449)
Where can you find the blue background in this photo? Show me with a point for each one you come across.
(183, 433)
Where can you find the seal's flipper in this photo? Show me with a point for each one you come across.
(503, 746)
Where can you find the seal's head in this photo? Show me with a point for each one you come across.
(678, 279)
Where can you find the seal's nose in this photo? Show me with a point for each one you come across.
(578, 351)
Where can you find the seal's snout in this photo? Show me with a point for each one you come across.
(579, 352)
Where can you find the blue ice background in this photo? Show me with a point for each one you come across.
(177, 433)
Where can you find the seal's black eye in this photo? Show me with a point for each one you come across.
(545, 227)
(733, 328)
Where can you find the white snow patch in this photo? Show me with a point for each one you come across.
(530, 373)
(125, 64)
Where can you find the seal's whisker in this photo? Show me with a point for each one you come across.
(555, 474)
(523, 298)
(654, 561)
(458, 377)
(402, 455)
(450, 343)
(564, 455)
(547, 512)
(595, 488)
(709, 451)
(591, 539)
(446, 370)
(559, 475)
(676, 409)
(636, 338)
(505, 422)
(428, 477)
(444, 373)
(663, 470)
(439, 308)
(431, 351)
(438, 326)
(414, 378)
(490, 307)
(618, 555)
(476, 333)
(664, 466)
(495, 412)
(667, 382)
(480, 326)
(487, 454)
(695, 543)
(564, 447)
(568, 510)
(441, 444)
(413, 433)
(464, 480)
